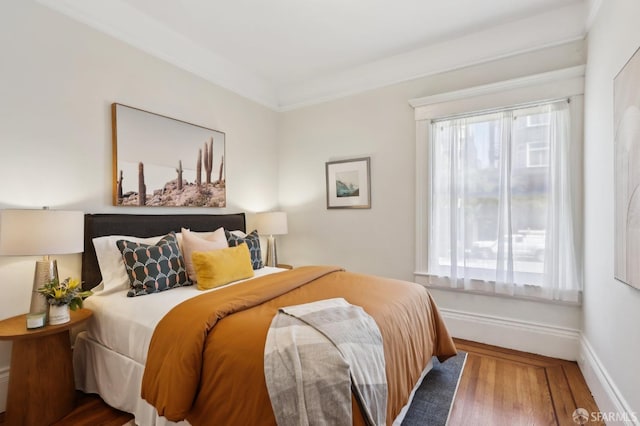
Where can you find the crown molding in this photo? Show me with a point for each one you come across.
(542, 31)
(123, 22)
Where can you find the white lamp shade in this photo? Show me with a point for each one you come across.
(41, 232)
(272, 223)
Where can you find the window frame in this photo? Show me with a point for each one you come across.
(564, 83)
(536, 150)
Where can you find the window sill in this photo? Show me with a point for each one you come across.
(425, 280)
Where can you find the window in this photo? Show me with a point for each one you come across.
(490, 207)
(498, 215)
(499, 187)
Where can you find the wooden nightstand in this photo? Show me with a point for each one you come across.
(41, 386)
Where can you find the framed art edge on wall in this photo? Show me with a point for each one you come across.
(349, 183)
(626, 115)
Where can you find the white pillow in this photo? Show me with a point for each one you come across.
(200, 241)
(114, 273)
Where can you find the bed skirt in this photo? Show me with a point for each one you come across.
(117, 379)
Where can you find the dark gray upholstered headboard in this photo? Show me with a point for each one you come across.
(99, 225)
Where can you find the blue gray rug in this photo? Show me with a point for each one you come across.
(432, 400)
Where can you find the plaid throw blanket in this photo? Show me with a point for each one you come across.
(315, 355)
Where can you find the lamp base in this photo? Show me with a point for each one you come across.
(46, 270)
(272, 255)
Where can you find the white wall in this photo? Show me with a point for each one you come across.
(58, 79)
(380, 124)
(611, 309)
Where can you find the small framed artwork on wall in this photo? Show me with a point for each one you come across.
(349, 184)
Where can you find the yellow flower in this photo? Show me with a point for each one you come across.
(68, 292)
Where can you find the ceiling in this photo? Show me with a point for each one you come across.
(289, 53)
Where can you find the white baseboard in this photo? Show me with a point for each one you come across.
(542, 339)
(4, 388)
(609, 399)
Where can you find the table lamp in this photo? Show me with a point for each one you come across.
(41, 232)
(272, 223)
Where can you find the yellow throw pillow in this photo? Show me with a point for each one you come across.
(220, 267)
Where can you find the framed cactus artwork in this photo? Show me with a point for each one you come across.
(163, 162)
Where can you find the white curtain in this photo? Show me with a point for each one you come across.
(501, 213)
(562, 279)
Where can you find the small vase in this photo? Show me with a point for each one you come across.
(59, 314)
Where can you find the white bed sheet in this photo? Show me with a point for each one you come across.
(125, 324)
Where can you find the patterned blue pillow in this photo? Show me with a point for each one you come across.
(253, 242)
(153, 268)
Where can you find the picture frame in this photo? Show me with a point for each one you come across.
(626, 117)
(171, 162)
(349, 183)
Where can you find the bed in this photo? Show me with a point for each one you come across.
(111, 355)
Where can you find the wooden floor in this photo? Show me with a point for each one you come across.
(498, 387)
(506, 387)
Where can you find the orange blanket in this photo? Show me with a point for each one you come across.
(205, 360)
